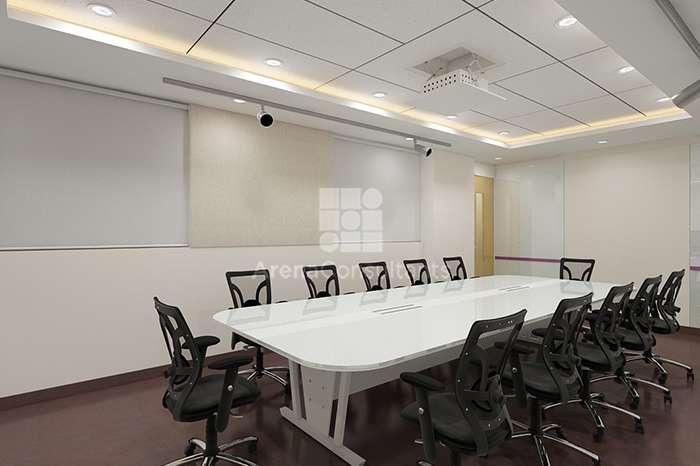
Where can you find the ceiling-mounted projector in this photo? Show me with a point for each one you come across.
(455, 92)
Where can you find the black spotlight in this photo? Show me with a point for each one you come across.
(265, 118)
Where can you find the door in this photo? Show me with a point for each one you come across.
(483, 226)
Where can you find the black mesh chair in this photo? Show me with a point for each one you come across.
(602, 352)
(191, 397)
(418, 272)
(252, 288)
(322, 281)
(663, 321)
(455, 268)
(576, 269)
(557, 379)
(636, 336)
(375, 275)
(474, 419)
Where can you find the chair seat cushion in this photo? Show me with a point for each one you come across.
(539, 383)
(204, 399)
(594, 358)
(450, 426)
(658, 325)
(632, 341)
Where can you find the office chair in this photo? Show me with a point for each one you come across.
(322, 281)
(637, 337)
(557, 379)
(417, 268)
(576, 269)
(191, 397)
(376, 271)
(663, 321)
(603, 354)
(252, 288)
(473, 419)
(457, 264)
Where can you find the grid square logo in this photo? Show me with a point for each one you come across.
(350, 218)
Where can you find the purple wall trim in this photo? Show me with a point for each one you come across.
(696, 268)
(527, 259)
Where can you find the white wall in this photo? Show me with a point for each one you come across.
(630, 211)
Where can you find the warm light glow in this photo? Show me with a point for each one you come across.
(566, 22)
(239, 101)
(101, 10)
(626, 69)
(504, 133)
(379, 95)
(451, 117)
(273, 62)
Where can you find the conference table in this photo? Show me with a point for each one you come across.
(344, 344)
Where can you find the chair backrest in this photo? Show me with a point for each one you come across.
(185, 361)
(666, 300)
(322, 280)
(576, 269)
(375, 275)
(638, 312)
(478, 377)
(417, 270)
(559, 354)
(455, 268)
(607, 323)
(249, 287)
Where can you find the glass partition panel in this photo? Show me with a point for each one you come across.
(694, 275)
(529, 220)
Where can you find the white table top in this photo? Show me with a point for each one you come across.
(370, 330)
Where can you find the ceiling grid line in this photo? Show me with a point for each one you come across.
(210, 26)
(353, 21)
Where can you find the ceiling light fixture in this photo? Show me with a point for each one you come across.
(379, 95)
(265, 118)
(423, 150)
(625, 70)
(504, 133)
(451, 117)
(498, 158)
(101, 10)
(239, 101)
(603, 142)
(663, 99)
(409, 139)
(566, 22)
(273, 62)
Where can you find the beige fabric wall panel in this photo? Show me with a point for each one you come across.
(255, 186)
(630, 212)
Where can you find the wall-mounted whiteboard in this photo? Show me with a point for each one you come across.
(86, 169)
(377, 193)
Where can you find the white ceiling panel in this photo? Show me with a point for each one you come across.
(491, 130)
(475, 32)
(143, 21)
(513, 106)
(241, 51)
(402, 20)
(307, 28)
(597, 110)
(553, 86)
(360, 87)
(210, 9)
(645, 99)
(601, 66)
(536, 20)
(547, 121)
(463, 121)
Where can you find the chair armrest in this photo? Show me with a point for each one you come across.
(230, 365)
(517, 373)
(423, 384)
(522, 349)
(422, 381)
(202, 343)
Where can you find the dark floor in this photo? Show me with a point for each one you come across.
(127, 425)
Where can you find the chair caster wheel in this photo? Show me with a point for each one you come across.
(597, 462)
(189, 449)
(597, 436)
(252, 446)
(639, 427)
(690, 375)
(634, 404)
(667, 397)
(561, 434)
(662, 379)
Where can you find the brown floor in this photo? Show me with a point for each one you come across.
(127, 425)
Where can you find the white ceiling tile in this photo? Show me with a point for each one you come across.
(360, 87)
(547, 121)
(473, 31)
(491, 130)
(145, 22)
(402, 20)
(307, 28)
(645, 99)
(241, 51)
(596, 111)
(211, 9)
(536, 21)
(513, 106)
(553, 86)
(465, 120)
(601, 67)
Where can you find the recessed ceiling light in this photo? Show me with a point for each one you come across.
(663, 99)
(566, 22)
(239, 101)
(504, 133)
(530, 166)
(498, 158)
(101, 10)
(451, 117)
(626, 69)
(274, 62)
(379, 95)
(409, 139)
(603, 142)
